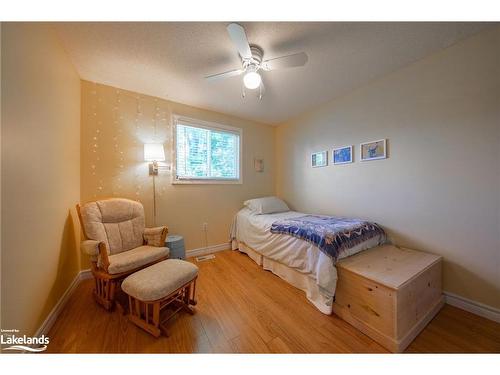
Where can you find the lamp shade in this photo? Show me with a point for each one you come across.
(154, 152)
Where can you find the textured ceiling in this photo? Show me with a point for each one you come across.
(169, 60)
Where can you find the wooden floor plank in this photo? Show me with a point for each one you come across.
(244, 309)
(277, 345)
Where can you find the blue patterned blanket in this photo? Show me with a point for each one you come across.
(332, 235)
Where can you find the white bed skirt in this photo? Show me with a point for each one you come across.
(299, 280)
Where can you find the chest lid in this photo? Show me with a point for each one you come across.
(389, 265)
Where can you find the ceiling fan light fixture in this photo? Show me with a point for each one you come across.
(252, 79)
(252, 62)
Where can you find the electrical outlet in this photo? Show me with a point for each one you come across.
(204, 227)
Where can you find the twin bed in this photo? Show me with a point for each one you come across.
(301, 249)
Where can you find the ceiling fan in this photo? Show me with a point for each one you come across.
(252, 61)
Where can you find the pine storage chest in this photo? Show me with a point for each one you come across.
(389, 293)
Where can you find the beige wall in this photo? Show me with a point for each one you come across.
(40, 174)
(0, 168)
(439, 191)
(115, 125)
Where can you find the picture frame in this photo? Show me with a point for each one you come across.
(373, 150)
(319, 159)
(258, 165)
(342, 155)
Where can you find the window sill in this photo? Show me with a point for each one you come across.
(207, 182)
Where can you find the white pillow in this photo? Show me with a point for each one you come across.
(267, 205)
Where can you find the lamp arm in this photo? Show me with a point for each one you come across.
(153, 168)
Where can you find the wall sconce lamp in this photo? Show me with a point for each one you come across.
(154, 153)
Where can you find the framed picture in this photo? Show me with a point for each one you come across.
(319, 159)
(342, 155)
(373, 150)
(258, 165)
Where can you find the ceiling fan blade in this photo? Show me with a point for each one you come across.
(239, 38)
(290, 61)
(231, 73)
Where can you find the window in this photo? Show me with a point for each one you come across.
(206, 152)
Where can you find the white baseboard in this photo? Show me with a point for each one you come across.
(85, 274)
(474, 307)
(56, 310)
(208, 250)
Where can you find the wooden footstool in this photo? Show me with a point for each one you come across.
(168, 283)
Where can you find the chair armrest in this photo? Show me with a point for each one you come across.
(155, 236)
(90, 247)
(97, 252)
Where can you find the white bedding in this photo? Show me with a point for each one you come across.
(300, 255)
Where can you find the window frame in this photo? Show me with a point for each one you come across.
(183, 120)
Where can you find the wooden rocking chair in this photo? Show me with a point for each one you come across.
(118, 243)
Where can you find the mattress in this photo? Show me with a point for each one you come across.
(295, 253)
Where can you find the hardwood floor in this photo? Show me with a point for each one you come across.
(243, 309)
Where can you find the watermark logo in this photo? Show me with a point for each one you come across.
(22, 343)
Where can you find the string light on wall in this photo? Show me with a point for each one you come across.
(119, 123)
(117, 120)
(95, 139)
(163, 125)
(138, 114)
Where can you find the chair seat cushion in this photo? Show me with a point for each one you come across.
(131, 259)
(159, 280)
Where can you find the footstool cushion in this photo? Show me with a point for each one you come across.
(159, 280)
